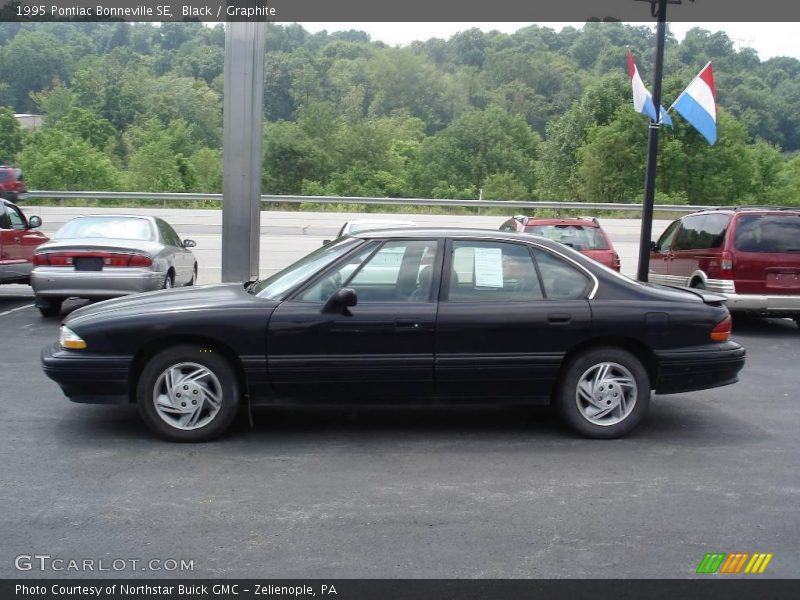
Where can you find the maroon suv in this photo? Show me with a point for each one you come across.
(584, 234)
(751, 255)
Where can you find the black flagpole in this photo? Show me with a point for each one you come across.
(659, 9)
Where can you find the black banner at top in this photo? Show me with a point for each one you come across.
(395, 10)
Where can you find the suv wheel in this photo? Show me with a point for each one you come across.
(188, 393)
(604, 394)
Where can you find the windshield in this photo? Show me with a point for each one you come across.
(575, 236)
(119, 228)
(275, 286)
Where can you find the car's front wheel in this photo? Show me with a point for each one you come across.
(605, 393)
(188, 393)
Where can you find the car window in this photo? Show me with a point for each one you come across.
(283, 281)
(17, 221)
(575, 236)
(561, 279)
(124, 228)
(401, 270)
(665, 241)
(335, 279)
(767, 233)
(168, 235)
(492, 272)
(508, 226)
(5, 222)
(699, 232)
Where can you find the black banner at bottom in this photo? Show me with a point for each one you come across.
(400, 589)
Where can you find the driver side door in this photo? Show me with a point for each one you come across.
(380, 350)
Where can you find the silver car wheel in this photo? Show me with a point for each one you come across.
(606, 393)
(167, 282)
(187, 396)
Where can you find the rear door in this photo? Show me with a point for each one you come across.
(767, 254)
(380, 350)
(697, 246)
(508, 314)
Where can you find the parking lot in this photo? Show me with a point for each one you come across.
(427, 493)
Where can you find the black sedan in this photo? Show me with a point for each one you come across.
(402, 317)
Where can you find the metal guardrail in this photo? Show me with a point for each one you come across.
(267, 199)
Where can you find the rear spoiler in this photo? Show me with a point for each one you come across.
(704, 295)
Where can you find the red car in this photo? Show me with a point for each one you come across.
(584, 234)
(12, 183)
(18, 240)
(749, 254)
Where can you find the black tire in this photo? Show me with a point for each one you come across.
(228, 392)
(567, 399)
(698, 284)
(169, 281)
(193, 280)
(49, 307)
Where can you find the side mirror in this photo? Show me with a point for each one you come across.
(34, 222)
(653, 246)
(326, 242)
(189, 243)
(341, 300)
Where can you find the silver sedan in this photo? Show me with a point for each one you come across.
(105, 256)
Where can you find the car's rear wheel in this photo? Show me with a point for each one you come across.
(605, 393)
(169, 281)
(49, 307)
(188, 393)
(193, 280)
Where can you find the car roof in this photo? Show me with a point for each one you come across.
(749, 210)
(115, 216)
(576, 222)
(452, 232)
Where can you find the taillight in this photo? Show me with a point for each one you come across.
(722, 330)
(110, 259)
(726, 266)
(615, 262)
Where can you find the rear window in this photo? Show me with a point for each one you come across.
(575, 236)
(768, 233)
(121, 228)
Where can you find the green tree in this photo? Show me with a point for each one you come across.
(10, 134)
(54, 159)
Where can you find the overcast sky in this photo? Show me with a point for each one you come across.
(768, 39)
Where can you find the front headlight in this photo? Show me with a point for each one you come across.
(70, 340)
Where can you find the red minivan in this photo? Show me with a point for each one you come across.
(750, 255)
(18, 240)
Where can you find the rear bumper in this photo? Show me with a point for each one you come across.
(699, 369)
(764, 304)
(87, 378)
(64, 282)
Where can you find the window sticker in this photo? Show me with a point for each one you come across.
(489, 267)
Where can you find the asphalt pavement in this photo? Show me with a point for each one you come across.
(466, 493)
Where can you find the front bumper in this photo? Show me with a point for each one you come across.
(65, 282)
(88, 378)
(694, 369)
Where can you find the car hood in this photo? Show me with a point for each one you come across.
(227, 296)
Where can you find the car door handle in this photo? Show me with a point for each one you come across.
(559, 318)
(17, 240)
(407, 325)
